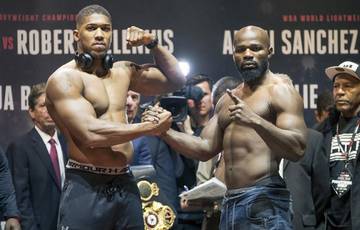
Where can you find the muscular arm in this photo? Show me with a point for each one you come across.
(163, 76)
(285, 143)
(66, 104)
(286, 138)
(202, 148)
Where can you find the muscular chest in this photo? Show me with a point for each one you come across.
(258, 102)
(105, 95)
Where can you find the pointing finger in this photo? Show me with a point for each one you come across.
(235, 99)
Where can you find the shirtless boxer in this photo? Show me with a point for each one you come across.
(256, 124)
(86, 98)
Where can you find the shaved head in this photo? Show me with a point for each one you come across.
(254, 32)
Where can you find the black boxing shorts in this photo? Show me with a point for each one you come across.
(94, 201)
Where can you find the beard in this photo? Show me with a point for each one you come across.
(254, 73)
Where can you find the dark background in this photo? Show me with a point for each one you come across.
(198, 28)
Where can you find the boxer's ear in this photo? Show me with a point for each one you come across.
(270, 52)
(76, 35)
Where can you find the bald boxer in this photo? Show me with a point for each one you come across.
(256, 124)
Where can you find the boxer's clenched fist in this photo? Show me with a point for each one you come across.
(138, 37)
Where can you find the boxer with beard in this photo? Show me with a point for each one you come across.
(251, 70)
(255, 125)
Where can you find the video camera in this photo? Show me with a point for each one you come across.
(177, 103)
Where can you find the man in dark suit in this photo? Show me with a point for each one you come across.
(299, 177)
(8, 209)
(37, 162)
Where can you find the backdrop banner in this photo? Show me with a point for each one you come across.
(307, 36)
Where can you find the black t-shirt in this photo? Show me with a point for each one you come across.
(339, 211)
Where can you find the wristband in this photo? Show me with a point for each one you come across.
(152, 44)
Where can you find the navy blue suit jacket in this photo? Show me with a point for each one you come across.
(152, 150)
(37, 192)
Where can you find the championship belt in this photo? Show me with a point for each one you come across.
(147, 190)
(156, 215)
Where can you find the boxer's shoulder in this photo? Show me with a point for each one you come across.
(67, 70)
(65, 79)
(66, 74)
(280, 78)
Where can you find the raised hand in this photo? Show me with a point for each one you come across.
(138, 37)
(241, 112)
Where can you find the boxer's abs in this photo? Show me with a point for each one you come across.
(247, 157)
(116, 156)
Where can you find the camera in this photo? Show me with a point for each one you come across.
(177, 103)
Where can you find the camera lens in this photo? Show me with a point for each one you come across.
(177, 105)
